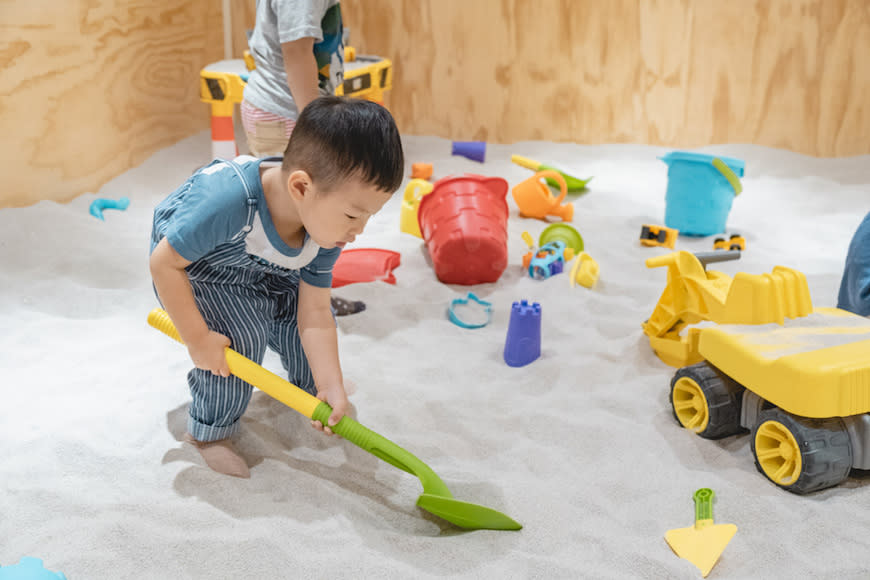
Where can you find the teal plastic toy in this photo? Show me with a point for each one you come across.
(29, 569)
(701, 189)
(472, 297)
(99, 204)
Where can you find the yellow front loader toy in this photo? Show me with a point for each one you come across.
(754, 354)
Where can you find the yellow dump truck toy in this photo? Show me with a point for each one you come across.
(754, 354)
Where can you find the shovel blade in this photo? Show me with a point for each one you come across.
(466, 515)
(702, 547)
(573, 184)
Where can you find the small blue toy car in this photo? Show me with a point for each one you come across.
(548, 260)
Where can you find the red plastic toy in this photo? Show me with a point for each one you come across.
(365, 265)
(464, 224)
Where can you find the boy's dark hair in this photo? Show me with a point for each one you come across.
(336, 138)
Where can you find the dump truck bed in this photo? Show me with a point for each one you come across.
(813, 366)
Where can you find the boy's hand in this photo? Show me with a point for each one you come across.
(337, 399)
(208, 354)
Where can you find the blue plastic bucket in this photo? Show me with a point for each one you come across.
(700, 191)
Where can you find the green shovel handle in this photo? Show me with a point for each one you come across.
(384, 449)
(728, 174)
(703, 507)
(313, 408)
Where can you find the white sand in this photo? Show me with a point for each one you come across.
(580, 446)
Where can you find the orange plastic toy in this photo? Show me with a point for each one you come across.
(536, 201)
(421, 171)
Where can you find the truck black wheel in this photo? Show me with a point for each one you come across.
(706, 401)
(800, 454)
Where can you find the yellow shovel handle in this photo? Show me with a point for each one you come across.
(525, 162)
(249, 371)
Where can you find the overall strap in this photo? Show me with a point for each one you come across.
(252, 197)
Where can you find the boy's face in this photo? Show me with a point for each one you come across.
(335, 218)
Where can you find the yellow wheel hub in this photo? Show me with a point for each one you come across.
(690, 405)
(778, 453)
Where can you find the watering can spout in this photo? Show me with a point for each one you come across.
(565, 212)
(535, 200)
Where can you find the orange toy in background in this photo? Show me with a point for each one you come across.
(535, 199)
(421, 171)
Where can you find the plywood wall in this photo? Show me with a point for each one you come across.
(244, 16)
(89, 89)
(682, 73)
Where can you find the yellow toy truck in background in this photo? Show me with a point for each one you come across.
(654, 235)
(754, 354)
(734, 242)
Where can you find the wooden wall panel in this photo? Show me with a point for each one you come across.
(244, 16)
(89, 89)
(682, 73)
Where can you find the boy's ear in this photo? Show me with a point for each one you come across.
(299, 184)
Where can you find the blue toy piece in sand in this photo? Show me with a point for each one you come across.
(29, 569)
(101, 203)
(474, 150)
(523, 344)
(472, 297)
(700, 191)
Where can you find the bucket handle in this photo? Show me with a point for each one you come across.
(563, 186)
(728, 174)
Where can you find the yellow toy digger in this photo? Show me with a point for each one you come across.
(755, 355)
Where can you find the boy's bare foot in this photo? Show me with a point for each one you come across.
(221, 456)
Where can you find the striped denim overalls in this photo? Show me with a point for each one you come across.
(251, 301)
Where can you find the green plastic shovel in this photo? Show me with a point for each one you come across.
(574, 184)
(436, 498)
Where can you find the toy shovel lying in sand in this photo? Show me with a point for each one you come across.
(703, 543)
(574, 184)
(436, 498)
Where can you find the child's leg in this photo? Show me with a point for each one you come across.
(218, 403)
(855, 286)
(284, 339)
(240, 313)
(284, 333)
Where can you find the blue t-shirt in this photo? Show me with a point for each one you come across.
(211, 210)
(855, 286)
